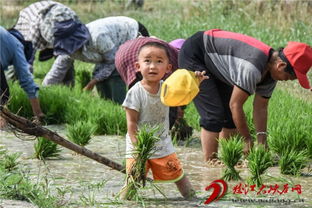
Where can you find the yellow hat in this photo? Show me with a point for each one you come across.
(179, 88)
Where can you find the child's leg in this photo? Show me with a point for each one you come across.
(185, 188)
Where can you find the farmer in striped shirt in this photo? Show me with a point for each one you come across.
(238, 66)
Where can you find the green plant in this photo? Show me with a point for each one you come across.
(80, 132)
(15, 184)
(9, 161)
(231, 151)
(45, 148)
(181, 130)
(143, 150)
(292, 161)
(83, 77)
(259, 160)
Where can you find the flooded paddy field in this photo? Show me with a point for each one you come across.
(87, 183)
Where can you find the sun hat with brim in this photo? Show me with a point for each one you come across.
(70, 35)
(179, 88)
(299, 55)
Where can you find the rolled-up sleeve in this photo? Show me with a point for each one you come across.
(58, 71)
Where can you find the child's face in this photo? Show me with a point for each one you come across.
(153, 63)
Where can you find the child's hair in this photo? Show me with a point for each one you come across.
(157, 45)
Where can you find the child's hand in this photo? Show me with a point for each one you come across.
(201, 76)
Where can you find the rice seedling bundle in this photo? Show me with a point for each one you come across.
(292, 161)
(143, 150)
(259, 160)
(80, 132)
(45, 148)
(83, 77)
(231, 151)
(181, 130)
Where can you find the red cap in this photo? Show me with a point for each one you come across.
(299, 56)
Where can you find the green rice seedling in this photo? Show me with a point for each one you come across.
(231, 151)
(15, 183)
(181, 130)
(143, 149)
(191, 116)
(83, 77)
(9, 162)
(54, 104)
(45, 148)
(18, 102)
(80, 132)
(259, 160)
(292, 161)
(309, 146)
(282, 138)
(110, 119)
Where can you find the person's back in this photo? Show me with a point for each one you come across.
(107, 34)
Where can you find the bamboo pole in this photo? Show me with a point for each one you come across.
(37, 130)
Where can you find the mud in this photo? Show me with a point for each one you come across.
(88, 183)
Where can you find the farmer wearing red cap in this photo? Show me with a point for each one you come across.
(239, 66)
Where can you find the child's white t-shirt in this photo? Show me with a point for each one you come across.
(152, 112)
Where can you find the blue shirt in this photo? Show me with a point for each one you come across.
(12, 53)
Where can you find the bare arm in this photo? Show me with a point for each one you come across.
(132, 123)
(237, 101)
(35, 105)
(260, 116)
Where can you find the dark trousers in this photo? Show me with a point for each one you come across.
(112, 88)
(4, 89)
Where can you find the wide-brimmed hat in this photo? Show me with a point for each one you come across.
(70, 35)
(179, 88)
(299, 56)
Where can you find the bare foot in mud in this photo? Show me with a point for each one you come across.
(214, 163)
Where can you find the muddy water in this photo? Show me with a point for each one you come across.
(88, 183)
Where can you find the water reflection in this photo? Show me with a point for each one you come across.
(89, 178)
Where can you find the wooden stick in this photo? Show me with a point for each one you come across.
(36, 130)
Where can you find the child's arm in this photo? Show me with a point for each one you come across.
(132, 123)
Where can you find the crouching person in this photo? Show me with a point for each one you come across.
(12, 53)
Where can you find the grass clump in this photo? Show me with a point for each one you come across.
(45, 148)
(80, 132)
(291, 162)
(143, 150)
(16, 185)
(259, 160)
(231, 151)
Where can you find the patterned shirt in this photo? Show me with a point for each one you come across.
(36, 22)
(127, 55)
(238, 60)
(107, 35)
(152, 113)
